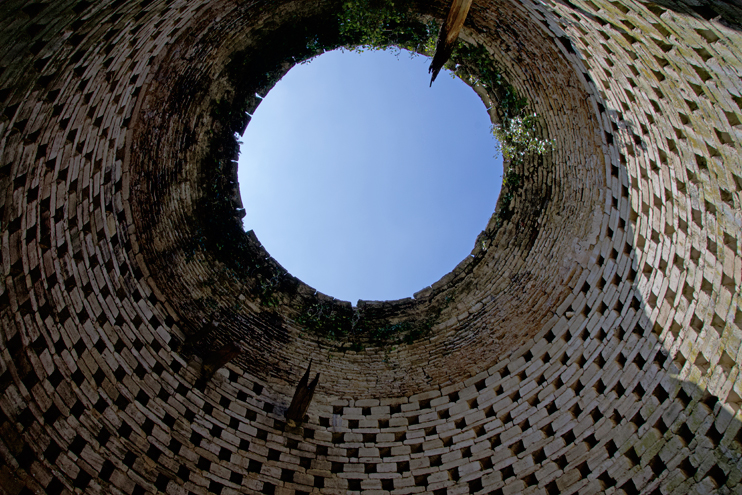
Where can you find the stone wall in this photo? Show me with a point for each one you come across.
(589, 344)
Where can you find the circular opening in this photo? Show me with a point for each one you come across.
(534, 248)
(364, 182)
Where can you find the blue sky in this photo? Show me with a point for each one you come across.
(362, 181)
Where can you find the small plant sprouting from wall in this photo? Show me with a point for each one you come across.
(517, 137)
(382, 24)
(324, 318)
(268, 288)
(346, 325)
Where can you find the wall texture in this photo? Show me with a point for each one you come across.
(590, 343)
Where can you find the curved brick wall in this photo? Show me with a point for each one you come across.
(589, 344)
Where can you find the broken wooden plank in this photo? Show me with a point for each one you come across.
(448, 36)
(302, 398)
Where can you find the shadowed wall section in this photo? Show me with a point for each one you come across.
(589, 344)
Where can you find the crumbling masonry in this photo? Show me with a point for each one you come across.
(590, 343)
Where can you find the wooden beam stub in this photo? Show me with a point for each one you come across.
(302, 398)
(448, 35)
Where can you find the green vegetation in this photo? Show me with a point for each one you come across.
(344, 324)
(382, 24)
(327, 319)
(518, 137)
(405, 331)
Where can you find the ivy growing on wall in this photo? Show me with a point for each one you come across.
(383, 24)
(346, 325)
